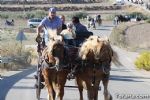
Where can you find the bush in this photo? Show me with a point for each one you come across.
(36, 14)
(143, 62)
(138, 14)
(40, 14)
(19, 57)
(148, 20)
(29, 15)
(81, 15)
(110, 17)
(4, 16)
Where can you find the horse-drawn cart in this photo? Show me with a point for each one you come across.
(89, 63)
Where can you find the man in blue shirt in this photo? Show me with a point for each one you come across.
(51, 22)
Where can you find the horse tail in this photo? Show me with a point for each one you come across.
(115, 59)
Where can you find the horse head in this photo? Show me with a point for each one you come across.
(90, 48)
(57, 52)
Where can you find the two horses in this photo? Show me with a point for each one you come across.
(92, 65)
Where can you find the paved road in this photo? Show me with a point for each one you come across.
(124, 81)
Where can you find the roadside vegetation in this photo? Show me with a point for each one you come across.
(13, 54)
(81, 15)
(119, 35)
(143, 61)
(23, 15)
(134, 36)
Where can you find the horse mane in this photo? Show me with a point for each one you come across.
(50, 46)
(52, 33)
(100, 47)
(94, 44)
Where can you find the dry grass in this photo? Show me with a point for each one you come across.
(138, 36)
(132, 36)
(10, 47)
(131, 9)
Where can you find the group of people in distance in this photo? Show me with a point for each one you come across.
(54, 22)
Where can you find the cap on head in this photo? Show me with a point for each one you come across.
(52, 10)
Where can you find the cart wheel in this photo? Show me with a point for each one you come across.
(38, 88)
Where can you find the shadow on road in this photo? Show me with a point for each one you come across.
(7, 83)
(103, 29)
(127, 78)
(107, 26)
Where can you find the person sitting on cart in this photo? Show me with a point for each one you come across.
(69, 34)
(64, 26)
(80, 30)
(78, 26)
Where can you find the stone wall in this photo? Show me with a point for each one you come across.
(73, 8)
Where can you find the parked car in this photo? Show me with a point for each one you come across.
(119, 2)
(34, 22)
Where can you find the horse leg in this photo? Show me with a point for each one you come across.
(51, 93)
(60, 83)
(107, 95)
(96, 94)
(88, 25)
(90, 93)
(80, 87)
(81, 92)
(59, 93)
(96, 88)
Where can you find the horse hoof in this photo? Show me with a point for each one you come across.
(41, 86)
(36, 86)
(111, 98)
(70, 76)
(35, 76)
(99, 88)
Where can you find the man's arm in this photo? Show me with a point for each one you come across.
(39, 29)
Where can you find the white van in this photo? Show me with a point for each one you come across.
(119, 2)
(34, 22)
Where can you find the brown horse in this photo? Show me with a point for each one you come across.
(55, 75)
(96, 55)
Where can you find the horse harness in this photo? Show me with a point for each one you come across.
(97, 65)
(70, 54)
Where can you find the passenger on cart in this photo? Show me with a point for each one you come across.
(81, 31)
(69, 35)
